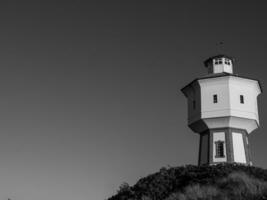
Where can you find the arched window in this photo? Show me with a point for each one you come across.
(219, 148)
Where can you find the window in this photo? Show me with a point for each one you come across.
(242, 99)
(219, 145)
(215, 98)
(227, 61)
(218, 61)
(194, 104)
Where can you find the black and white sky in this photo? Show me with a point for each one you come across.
(90, 90)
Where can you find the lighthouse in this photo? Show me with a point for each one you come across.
(223, 110)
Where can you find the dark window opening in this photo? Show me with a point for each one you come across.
(215, 98)
(218, 61)
(227, 62)
(219, 149)
(242, 99)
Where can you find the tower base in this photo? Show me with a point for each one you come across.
(224, 145)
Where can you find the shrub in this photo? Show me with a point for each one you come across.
(242, 186)
(220, 182)
(195, 192)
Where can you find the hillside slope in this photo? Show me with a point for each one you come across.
(220, 182)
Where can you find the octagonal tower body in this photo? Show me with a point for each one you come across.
(222, 108)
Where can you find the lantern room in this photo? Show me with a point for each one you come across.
(219, 64)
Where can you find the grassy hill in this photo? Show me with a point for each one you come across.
(220, 182)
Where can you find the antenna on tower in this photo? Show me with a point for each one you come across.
(220, 47)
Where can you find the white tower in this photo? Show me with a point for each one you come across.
(222, 108)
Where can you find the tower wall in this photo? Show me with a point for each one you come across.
(235, 146)
(204, 148)
(228, 111)
(228, 90)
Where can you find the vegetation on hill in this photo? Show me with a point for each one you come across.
(220, 182)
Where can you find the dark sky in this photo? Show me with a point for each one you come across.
(90, 91)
